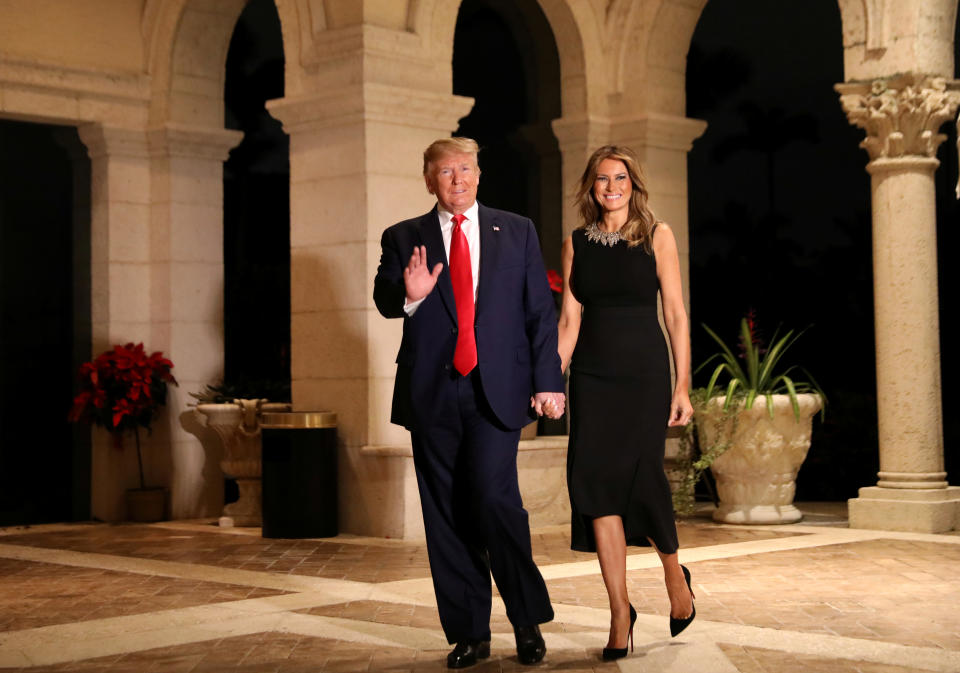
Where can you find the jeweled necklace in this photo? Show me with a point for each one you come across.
(596, 235)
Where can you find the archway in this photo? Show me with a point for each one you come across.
(256, 206)
(780, 214)
(948, 240)
(45, 313)
(517, 94)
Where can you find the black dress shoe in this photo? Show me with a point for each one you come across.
(467, 652)
(530, 645)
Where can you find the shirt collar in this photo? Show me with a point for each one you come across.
(472, 214)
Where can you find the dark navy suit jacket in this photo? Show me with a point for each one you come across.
(515, 320)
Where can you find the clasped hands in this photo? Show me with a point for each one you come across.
(550, 405)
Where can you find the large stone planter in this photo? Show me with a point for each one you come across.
(238, 426)
(756, 476)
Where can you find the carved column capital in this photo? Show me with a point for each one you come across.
(901, 114)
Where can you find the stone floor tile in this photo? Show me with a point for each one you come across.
(889, 589)
(757, 660)
(39, 594)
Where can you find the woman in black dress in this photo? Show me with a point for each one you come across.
(615, 265)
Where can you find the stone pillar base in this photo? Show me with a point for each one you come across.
(757, 514)
(913, 510)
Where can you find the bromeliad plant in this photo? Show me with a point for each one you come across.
(755, 373)
(123, 389)
(752, 373)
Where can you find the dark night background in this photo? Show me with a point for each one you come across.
(779, 223)
(780, 219)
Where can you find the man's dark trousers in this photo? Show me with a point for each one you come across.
(480, 526)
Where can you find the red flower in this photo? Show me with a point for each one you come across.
(122, 388)
(555, 280)
(756, 340)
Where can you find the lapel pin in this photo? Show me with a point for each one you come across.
(496, 228)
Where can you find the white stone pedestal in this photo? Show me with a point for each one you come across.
(385, 501)
(923, 510)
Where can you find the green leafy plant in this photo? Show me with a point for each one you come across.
(755, 372)
(225, 392)
(692, 460)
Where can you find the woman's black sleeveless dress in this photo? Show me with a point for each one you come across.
(619, 397)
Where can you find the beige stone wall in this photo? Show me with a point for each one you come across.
(882, 38)
(93, 35)
(368, 85)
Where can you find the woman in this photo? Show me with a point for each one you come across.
(614, 264)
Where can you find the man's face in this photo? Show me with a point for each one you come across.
(453, 179)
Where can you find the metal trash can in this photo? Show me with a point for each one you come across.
(299, 474)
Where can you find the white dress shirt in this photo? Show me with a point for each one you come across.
(471, 229)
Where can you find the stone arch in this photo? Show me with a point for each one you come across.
(187, 42)
(619, 23)
(671, 26)
(863, 23)
(578, 37)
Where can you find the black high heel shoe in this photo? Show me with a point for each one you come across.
(612, 653)
(678, 625)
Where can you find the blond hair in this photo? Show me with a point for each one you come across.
(444, 146)
(638, 229)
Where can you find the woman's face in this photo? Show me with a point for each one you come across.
(612, 186)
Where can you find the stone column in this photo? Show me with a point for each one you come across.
(186, 298)
(578, 137)
(119, 282)
(356, 155)
(901, 116)
(662, 143)
(157, 277)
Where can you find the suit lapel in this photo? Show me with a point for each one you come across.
(432, 238)
(489, 252)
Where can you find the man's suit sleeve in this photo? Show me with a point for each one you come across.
(389, 292)
(541, 320)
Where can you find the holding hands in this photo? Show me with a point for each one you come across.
(550, 405)
(417, 279)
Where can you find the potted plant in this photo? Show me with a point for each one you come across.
(754, 431)
(123, 389)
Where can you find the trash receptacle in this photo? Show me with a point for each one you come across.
(299, 474)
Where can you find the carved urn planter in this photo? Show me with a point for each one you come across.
(756, 476)
(237, 424)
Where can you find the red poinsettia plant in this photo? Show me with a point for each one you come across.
(122, 389)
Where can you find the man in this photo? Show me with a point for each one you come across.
(479, 350)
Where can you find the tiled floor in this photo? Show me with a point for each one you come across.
(190, 597)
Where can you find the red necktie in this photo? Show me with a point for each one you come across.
(461, 275)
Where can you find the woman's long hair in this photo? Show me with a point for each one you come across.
(638, 229)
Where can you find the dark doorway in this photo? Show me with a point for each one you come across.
(780, 214)
(948, 238)
(44, 322)
(256, 217)
(505, 57)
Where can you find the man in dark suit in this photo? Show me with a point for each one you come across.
(477, 359)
